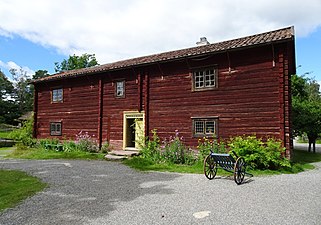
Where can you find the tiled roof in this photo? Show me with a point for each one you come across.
(280, 35)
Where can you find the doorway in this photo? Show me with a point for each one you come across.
(133, 135)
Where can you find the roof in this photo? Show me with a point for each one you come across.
(276, 36)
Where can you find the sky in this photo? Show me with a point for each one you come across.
(35, 34)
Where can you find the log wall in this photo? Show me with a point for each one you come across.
(252, 97)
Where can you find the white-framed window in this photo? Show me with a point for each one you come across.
(204, 79)
(57, 95)
(205, 127)
(120, 89)
(55, 129)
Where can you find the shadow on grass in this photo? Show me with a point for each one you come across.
(303, 157)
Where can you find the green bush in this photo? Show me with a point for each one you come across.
(174, 151)
(43, 142)
(70, 146)
(171, 151)
(260, 155)
(24, 134)
(205, 145)
(86, 143)
(105, 148)
(150, 150)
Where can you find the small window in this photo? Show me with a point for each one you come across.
(204, 79)
(204, 127)
(57, 95)
(55, 129)
(120, 89)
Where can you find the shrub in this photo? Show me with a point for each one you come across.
(260, 155)
(172, 150)
(151, 148)
(43, 142)
(105, 147)
(176, 152)
(86, 143)
(24, 134)
(205, 145)
(70, 146)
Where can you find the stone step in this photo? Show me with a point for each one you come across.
(124, 153)
(114, 157)
(120, 154)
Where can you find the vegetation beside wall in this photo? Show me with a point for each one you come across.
(257, 153)
(84, 147)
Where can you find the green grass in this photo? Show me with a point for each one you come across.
(7, 148)
(16, 186)
(146, 165)
(38, 153)
(304, 159)
(301, 162)
(4, 134)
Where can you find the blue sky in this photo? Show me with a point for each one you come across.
(27, 54)
(34, 38)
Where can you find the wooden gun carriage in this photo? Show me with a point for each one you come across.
(228, 163)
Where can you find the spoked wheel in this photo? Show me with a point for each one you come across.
(239, 170)
(210, 167)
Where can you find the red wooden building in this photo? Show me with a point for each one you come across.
(230, 88)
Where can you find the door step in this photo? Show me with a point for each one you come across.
(120, 154)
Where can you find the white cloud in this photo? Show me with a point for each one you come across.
(118, 29)
(12, 65)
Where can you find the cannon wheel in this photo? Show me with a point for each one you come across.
(239, 170)
(210, 167)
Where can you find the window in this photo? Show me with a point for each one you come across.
(120, 89)
(55, 129)
(204, 79)
(57, 95)
(204, 127)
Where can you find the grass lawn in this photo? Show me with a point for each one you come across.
(301, 162)
(7, 148)
(4, 134)
(35, 153)
(16, 186)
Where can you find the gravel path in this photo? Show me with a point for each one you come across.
(100, 192)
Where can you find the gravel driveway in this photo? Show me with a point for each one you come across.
(101, 192)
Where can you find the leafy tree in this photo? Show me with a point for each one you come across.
(7, 105)
(6, 87)
(22, 90)
(306, 108)
(76, 62)
(40, 74)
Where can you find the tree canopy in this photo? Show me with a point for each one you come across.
(306, 108)
(76, 62)
(8, 109)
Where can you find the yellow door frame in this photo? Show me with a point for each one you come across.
(130, 115)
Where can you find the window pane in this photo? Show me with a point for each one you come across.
(57, 95)
(204, 79)
(205, 127)
(58, 127)
(55, 128)
(199, 127)
(120, 88)
(199, 80)
(210, 127)
(52, 127)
